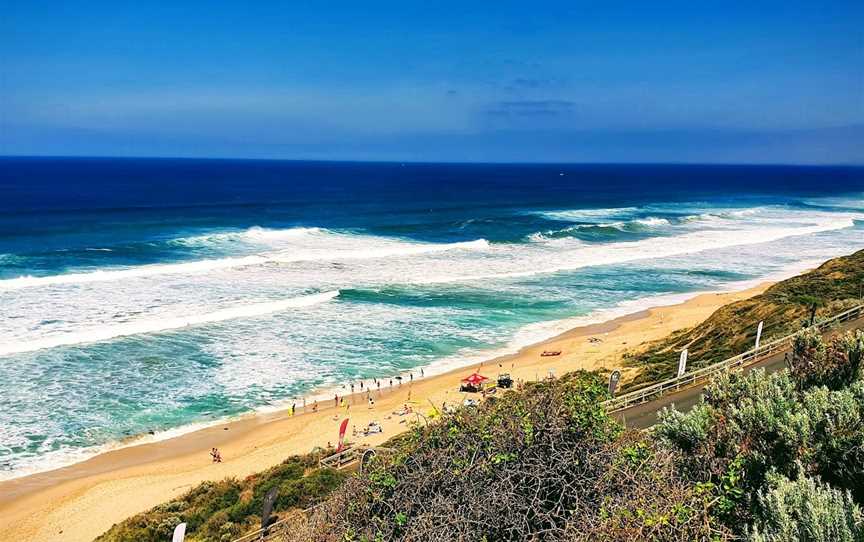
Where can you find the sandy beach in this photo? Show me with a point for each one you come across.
(79, 502)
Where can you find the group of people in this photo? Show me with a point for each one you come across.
(377, 382)
(338, 401)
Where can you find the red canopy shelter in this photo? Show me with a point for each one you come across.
(475, 379)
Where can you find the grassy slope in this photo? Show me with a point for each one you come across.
(732, 328)
(225, 510)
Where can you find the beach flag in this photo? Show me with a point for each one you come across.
(342, 429)
(179, 533)
(267, 510)
(759, 334)
(682, 363)
(613, 382)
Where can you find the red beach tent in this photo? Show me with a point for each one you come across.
(475, 379)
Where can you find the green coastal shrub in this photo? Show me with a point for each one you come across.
(806, 510)
(751, 429)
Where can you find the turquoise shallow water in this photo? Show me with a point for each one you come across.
(145, 296)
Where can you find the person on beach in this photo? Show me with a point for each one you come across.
(361, 385)
(391, 382)
(412, 376)
(214, 453)
(352, 387)
(315, 406)
(336, 400)
(379, 385)
(293, 408)
(422, 373)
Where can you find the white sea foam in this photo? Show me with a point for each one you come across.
(255, 234)
(580, 215)
(318, 245)
(652, 248)
(621, 225)
(108, 332)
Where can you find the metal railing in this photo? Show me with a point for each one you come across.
(648, 393)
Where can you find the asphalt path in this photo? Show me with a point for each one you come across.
(645, 415)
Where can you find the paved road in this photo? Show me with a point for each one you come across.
(645, 415)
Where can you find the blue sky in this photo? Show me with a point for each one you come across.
(494, 81)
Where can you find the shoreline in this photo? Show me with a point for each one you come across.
(549, 330)
(82, 500)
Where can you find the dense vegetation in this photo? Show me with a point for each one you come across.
(784, 307)
(225, 510)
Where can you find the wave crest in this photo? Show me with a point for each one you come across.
(105, 333)
(323, 245)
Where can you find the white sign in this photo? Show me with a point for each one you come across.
(682, 363)
(759, 334)
(179, 533)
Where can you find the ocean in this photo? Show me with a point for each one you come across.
(146, 297)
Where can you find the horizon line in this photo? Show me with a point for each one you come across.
(428, 162)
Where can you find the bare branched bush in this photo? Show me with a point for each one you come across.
(545, 464)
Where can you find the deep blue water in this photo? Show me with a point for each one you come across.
(147, 294)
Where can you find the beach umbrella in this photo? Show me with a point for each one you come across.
(475, 379)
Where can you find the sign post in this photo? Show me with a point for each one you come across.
(267, 509)
(759, 335)
(682, 363)
(613, 382)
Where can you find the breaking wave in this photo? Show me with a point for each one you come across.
(315, 244)
(656, 247)
(108, 332)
